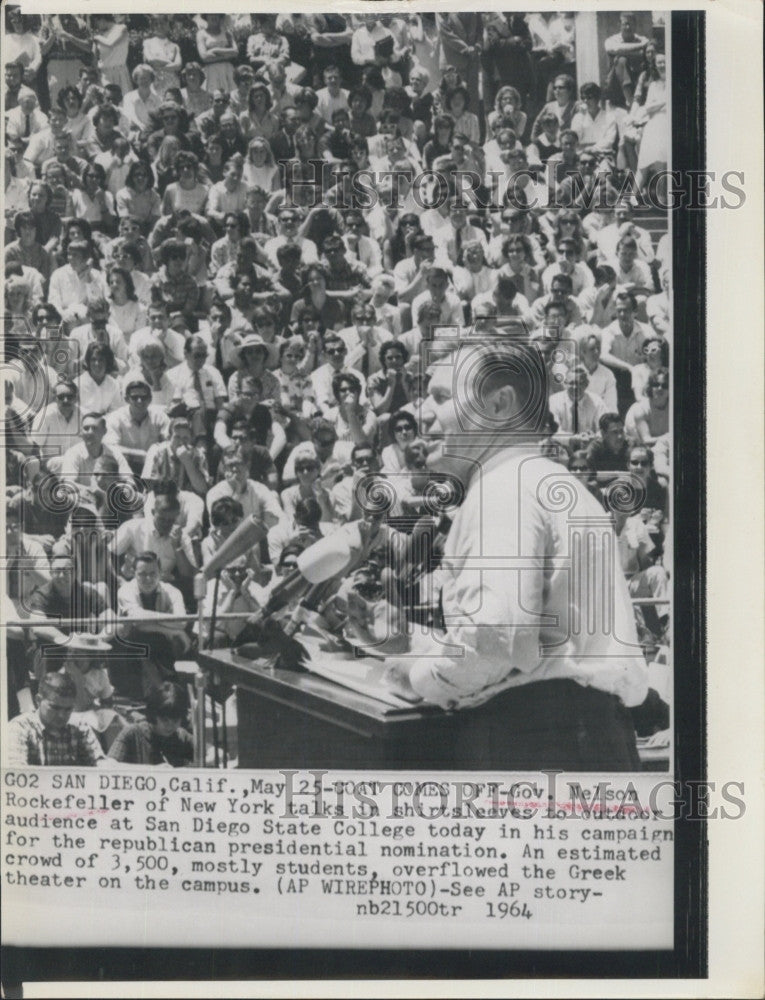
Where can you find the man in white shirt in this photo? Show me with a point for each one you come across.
(138, 105)
(608, 237)
(363, 340)
(79, 462)
(595, 126)
(410, 274)
(450, 239)
(147, 596)
(580, 274)
(364, 40)
(41, 145)
(630, 270)
(365, 250)
(158, 331)
(25, 120)
(602, 382)
(136, 427)
(57, 428)
(332, 97)
(255, 498)
(162, 534)
(74, 284)
(544, 693)
(576, 410)
(440, 294)
(288, 225)
(625, 50)
(199, 385)
(336, 354)
(624, 338)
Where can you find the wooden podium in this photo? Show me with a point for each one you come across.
(300, 720)
(290, 719)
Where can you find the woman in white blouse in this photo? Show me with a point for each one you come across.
(125, 311)
(98, 389)
(260, 170)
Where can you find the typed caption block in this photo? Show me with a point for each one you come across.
(300, 859)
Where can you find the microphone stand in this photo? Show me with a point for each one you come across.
(210, 642)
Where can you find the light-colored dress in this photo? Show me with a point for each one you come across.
(167, 51)
(220, 75)
(653, 145)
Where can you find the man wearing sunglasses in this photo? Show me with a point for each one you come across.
(335, 355)
(57, 428)
(568, 264)
(199, 386)
(134, 428)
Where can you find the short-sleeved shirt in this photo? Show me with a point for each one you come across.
(256, 499)
(81, 601)
(123, 431)
(184, 383)
(627, 349)
(29, 742)
(139, 535)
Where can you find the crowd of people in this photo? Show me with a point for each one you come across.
(232, 247)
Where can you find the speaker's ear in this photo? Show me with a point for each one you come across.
(504, 401)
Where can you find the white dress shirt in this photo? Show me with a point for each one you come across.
(513, 621)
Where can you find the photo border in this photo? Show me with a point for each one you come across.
(689, 957)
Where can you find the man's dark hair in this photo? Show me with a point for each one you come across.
(608, 420)
(165, 701)
(564, 280)
(225, 511)
(147, 557)
(166, 488)
(308, 512)
(588, 90)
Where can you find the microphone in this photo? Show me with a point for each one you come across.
(317, 566)
(247, 534)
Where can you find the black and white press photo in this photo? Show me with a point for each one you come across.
(352, 590)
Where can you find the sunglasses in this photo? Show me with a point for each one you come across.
(306, 468)
(139, 398)
(334, 350)
(65, 397)
(403, 427)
